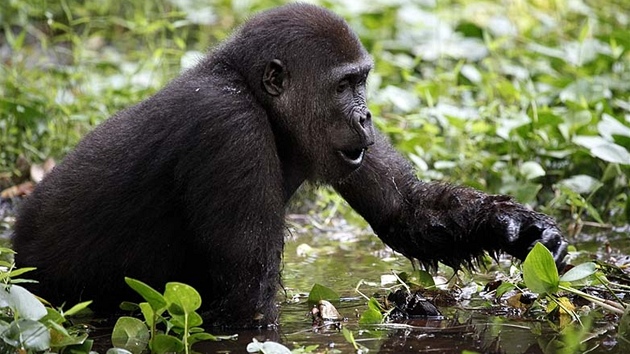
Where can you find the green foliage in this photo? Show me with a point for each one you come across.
(27, 325)
(499, 99)
(181, 326)
(539, 271)
(373, 314)
(320, 292)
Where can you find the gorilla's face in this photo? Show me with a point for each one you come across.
(348, 122)
(322, 108)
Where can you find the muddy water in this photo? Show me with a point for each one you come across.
(340, 256)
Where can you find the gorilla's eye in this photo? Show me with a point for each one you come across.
(343, 85)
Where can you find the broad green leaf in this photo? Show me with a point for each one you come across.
(425, 278)
(59, 337)
(163, 343)
(194, 320)
(185, 296)
(320, 292)
(539, 271)
(52, 316)
(612, 152)
(131, 334)
(118, 351)
(21, 301)
(374, 305)
(582, 184)
(154, 298)
(371, 316)
(579, 272)
(27, 333)
(81, 348)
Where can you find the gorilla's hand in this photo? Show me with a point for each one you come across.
(518, 229)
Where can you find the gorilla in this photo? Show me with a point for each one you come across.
(191, 184)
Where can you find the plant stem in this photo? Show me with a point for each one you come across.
(610, 306)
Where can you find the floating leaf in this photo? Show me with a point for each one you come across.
(580, 272)
(199, 337)
(349, 336)
(371, 316)
(268, 347)
(320, 292)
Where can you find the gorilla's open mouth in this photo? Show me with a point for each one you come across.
(353, 157)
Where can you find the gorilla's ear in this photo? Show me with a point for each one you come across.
(273, 78)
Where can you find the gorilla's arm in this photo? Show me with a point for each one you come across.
(434, 222)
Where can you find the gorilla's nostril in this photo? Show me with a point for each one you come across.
(364, 118)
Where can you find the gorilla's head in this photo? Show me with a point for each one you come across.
(309, 70)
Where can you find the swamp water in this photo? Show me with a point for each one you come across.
(340, 256)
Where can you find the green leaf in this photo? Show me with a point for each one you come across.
(532, 169)
(17, 272)
(199, 337)
(82, 348)
(163, 343)
(128, 306)
(22, 301)
(194, 320)
(147, 313)
(184, 296)
(27, 333)
(154, 298)
(61, 338)
(52, 316)
(371, 316)
(375, 305)
(539, 271)
(425, 278)
(579, 272)
(77, 308)
(131, 334)
(118, 351)
(349, 336)
(320, 292)
(504, 288)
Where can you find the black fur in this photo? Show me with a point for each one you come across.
(191, 184)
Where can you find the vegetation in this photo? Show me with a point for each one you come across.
(529, 98)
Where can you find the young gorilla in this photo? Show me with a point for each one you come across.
(191, 184)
